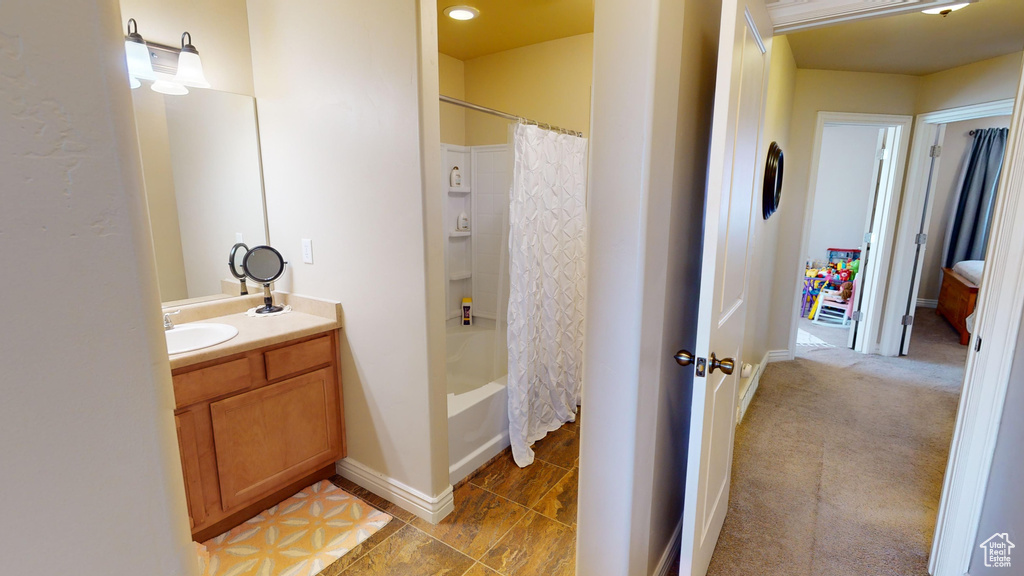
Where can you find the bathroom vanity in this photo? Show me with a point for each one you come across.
(258, 417)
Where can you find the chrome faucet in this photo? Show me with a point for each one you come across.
(168, 324)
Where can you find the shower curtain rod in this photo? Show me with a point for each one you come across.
(507, 116)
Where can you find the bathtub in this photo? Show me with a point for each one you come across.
(477, 398)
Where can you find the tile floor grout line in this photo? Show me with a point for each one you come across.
(372, 548)
(456, 550)
(502, 537)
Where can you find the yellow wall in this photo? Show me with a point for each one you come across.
(549, 82)
(984, 81)
(778, 115)
(452, 77)
(817, 91)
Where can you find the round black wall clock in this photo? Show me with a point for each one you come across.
(772, 192)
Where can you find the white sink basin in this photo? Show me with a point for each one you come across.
(197, 335)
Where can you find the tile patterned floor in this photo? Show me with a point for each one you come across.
(508, 521)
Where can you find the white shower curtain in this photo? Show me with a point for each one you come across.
(547, 246)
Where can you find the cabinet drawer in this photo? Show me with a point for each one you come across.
(199, 385)
(298, 357)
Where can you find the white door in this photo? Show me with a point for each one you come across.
(877, 176)
(732, 201)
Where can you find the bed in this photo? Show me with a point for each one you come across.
(959, 295)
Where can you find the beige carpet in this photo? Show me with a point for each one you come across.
(839, 461)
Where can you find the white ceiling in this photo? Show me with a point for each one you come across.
(915, 43)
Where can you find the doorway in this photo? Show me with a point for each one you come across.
(857, 169)
(938, 158)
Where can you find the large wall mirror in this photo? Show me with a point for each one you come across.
(204, 186)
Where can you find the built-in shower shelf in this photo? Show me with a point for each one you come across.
(459, 190)
(460, 275)
(459, 234)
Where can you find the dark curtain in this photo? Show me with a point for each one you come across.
(972, 215)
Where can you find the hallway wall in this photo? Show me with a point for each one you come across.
(1003, 508)
(648, 174)
(820, 90)
(765, 234)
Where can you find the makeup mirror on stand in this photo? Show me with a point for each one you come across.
(235, 265)
(264, 264)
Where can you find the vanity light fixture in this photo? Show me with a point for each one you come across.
(137, 54)
(946, 10)
(461, 12)
(171, 69)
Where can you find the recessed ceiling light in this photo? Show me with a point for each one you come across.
(946, 9)
(461, 12)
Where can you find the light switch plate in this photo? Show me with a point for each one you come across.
(238, 237)
(307, 250)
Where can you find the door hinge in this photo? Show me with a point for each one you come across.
(907, 320)
(867, 237)
(857, 316)
(882, 154)
(935, 151)
(921, 239)
(977, 345)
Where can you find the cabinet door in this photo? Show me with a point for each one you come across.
(188, 447)
(274, 435)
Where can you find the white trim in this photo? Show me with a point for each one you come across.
(747, 393)
(780, 356)
(670, 552)
(929, 129)
(478, 457)
(753, 28)
(432, 509)
(872, 295)
(1000, 305)
(927, 303)
(792, 15)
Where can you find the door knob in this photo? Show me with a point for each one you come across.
(725, 364)
(683, 358)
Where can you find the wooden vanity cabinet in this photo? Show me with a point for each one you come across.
(254, 428)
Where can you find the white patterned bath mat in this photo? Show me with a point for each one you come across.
(810, 340)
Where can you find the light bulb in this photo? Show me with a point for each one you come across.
(461, 12)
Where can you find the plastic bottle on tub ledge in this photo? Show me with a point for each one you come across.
(467, 311)
(456, 178)
(462, 225)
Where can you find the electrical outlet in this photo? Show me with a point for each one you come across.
(307, 250)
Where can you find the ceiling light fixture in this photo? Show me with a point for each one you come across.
(461, 12)
(946, 10)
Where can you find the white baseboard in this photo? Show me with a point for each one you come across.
(671, 552)
(779, 356)
(747, 393)
(927, 303)
(478, 457)
(431, 509)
